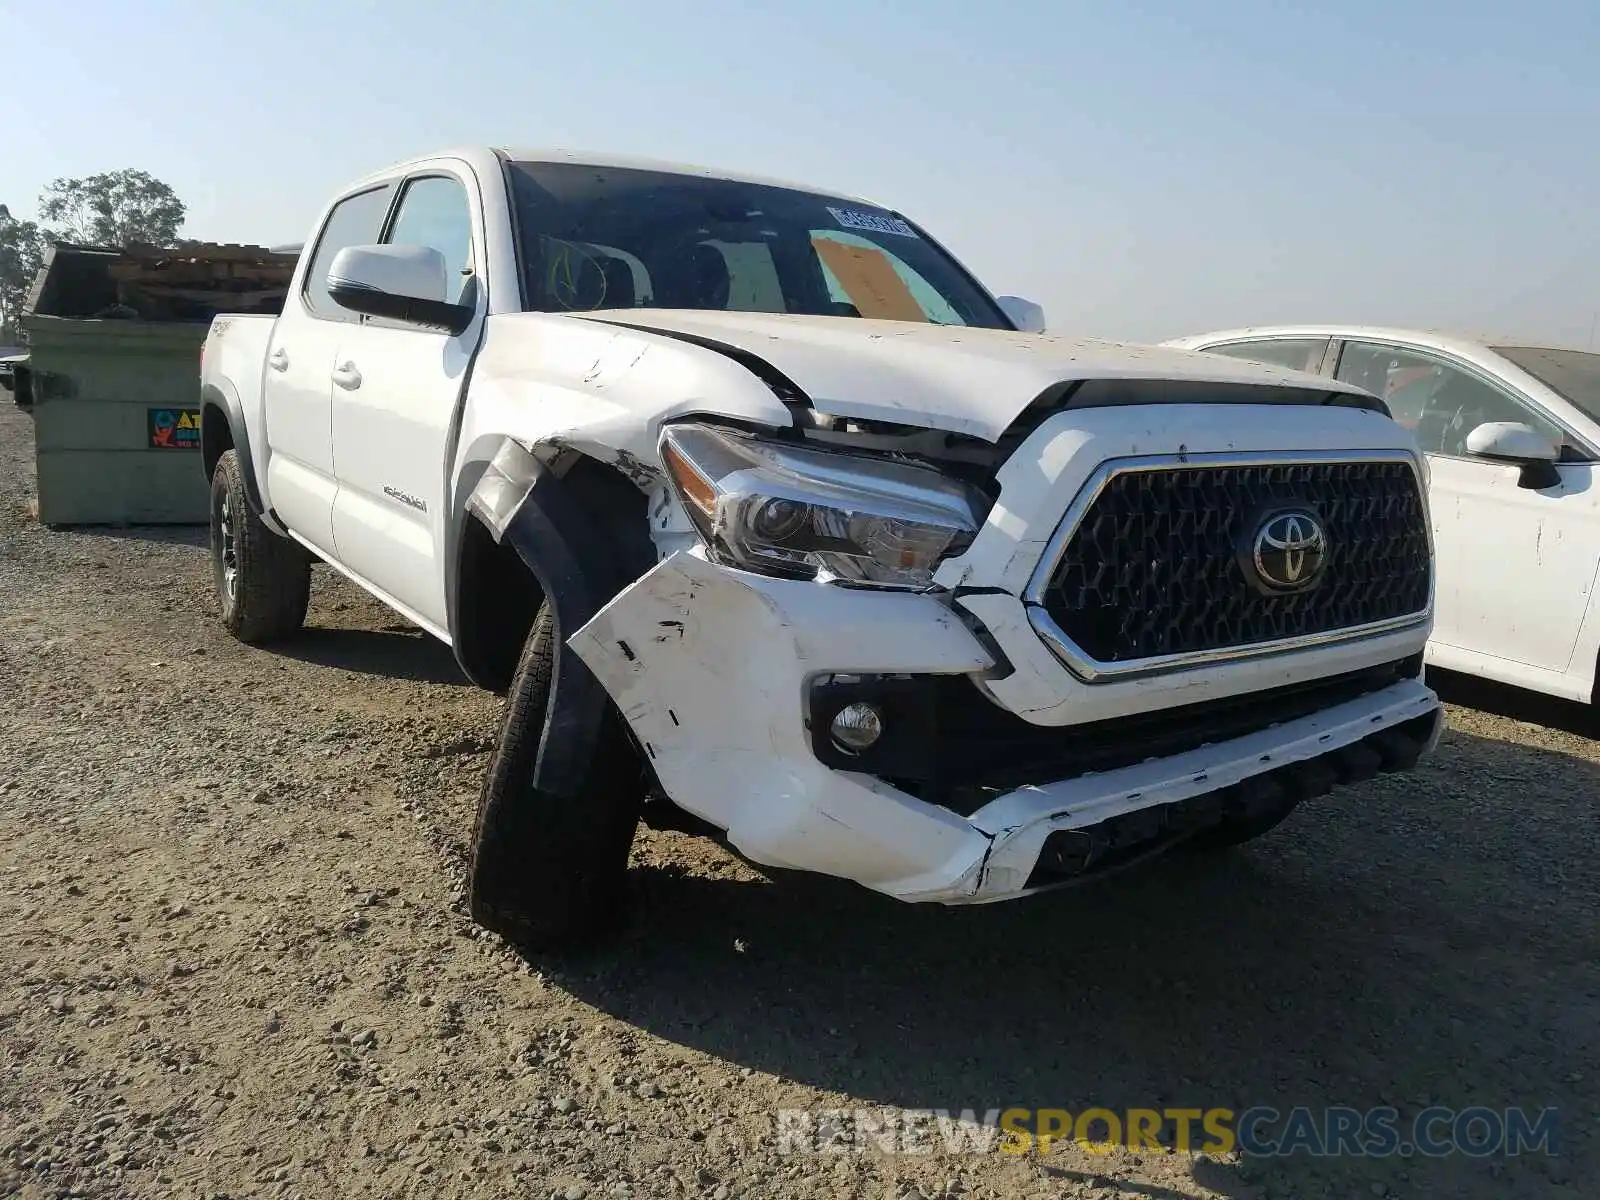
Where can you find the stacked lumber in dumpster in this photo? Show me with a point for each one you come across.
(196, 281)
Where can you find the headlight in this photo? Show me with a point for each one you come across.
(817, 514)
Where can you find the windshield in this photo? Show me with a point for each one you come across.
(593, 237)
(1572, 373)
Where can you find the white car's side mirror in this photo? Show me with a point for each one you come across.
(1024, 314)
(1514, 442)
(402, 283)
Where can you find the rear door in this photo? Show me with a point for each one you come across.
(298, 385)
(396, 389)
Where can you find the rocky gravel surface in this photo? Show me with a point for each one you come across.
(234, 959)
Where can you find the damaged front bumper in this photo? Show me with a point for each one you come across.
(728, 680)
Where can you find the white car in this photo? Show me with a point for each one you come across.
(772, 521)
(1512, 433)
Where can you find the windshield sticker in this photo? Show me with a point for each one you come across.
(868, 222)
(866, 275)
(576, 280)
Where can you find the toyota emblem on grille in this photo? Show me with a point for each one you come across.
(1288, 551)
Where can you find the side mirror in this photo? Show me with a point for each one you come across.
(1024, 314)
(1514, 442)
(401, 283)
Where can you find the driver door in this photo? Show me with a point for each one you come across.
(396, 391)
(1515, 565)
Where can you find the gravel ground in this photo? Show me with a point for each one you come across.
(235, 962)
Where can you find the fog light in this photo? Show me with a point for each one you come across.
(856, 727)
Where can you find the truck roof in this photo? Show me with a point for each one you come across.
(484, 159)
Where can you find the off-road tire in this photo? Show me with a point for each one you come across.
(549, 873)
(263, 580)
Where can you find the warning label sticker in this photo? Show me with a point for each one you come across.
(173, 428)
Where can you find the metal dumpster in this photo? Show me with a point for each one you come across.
(116, 421)
(114, 343)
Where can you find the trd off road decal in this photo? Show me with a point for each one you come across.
(405, 498)
(173, 428)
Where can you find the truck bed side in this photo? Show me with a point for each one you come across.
(232, 371)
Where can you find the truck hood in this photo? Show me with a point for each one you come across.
(951, 378)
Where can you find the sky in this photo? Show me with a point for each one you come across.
(1141, 169)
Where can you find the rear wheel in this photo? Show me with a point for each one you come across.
(263, 580)
(550, 872)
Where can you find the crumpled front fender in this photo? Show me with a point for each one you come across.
(710, 666)
(578, 568)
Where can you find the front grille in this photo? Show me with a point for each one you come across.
(1154, 567)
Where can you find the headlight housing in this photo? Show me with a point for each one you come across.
(805, 513)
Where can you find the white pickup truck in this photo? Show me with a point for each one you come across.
(770, 521)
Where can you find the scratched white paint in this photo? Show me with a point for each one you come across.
(709, 667)
(1517, 568)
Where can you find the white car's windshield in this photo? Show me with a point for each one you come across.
(1572, 373)
(593, 237)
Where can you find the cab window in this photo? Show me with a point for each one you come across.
(434, 212)
(354, 221)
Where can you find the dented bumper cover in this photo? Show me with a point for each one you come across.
(713, 669)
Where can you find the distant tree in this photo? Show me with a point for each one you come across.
(22, 246)
(115, 208)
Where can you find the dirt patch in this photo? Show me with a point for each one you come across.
(234, 959)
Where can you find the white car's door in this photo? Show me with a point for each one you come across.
(297, 389)
(1516, 564)
(396, 387)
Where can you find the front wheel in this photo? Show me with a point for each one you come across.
(550, 872)
(263, 581)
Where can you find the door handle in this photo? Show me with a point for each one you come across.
(347, 377)
(279, 360)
